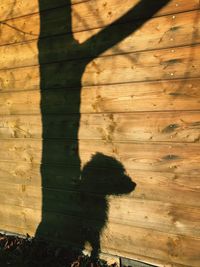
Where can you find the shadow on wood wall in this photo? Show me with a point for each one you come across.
(103, 175)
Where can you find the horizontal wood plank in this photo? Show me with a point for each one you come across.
(167, 157)
(149, 96)
(167, 32)
(144, 242)
(160, 126)
(101, 13)
(10, 9)
(164, 217)
(184, 186)
(138, 106)
(134, 67)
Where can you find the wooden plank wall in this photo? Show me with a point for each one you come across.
(140, 103)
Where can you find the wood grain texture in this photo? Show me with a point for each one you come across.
(164, 217)
(140, 105)
(170, 248)
(10, 9)
(171, 95)
(184, 186)
(15, 8)
(160, 126)
(157, 33)
(167, 157)
(134, 67)
(100, 12)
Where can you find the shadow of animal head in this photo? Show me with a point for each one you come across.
(106, 176)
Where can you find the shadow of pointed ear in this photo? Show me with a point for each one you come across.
(107, 176)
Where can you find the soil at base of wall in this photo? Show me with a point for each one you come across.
(29, 252)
